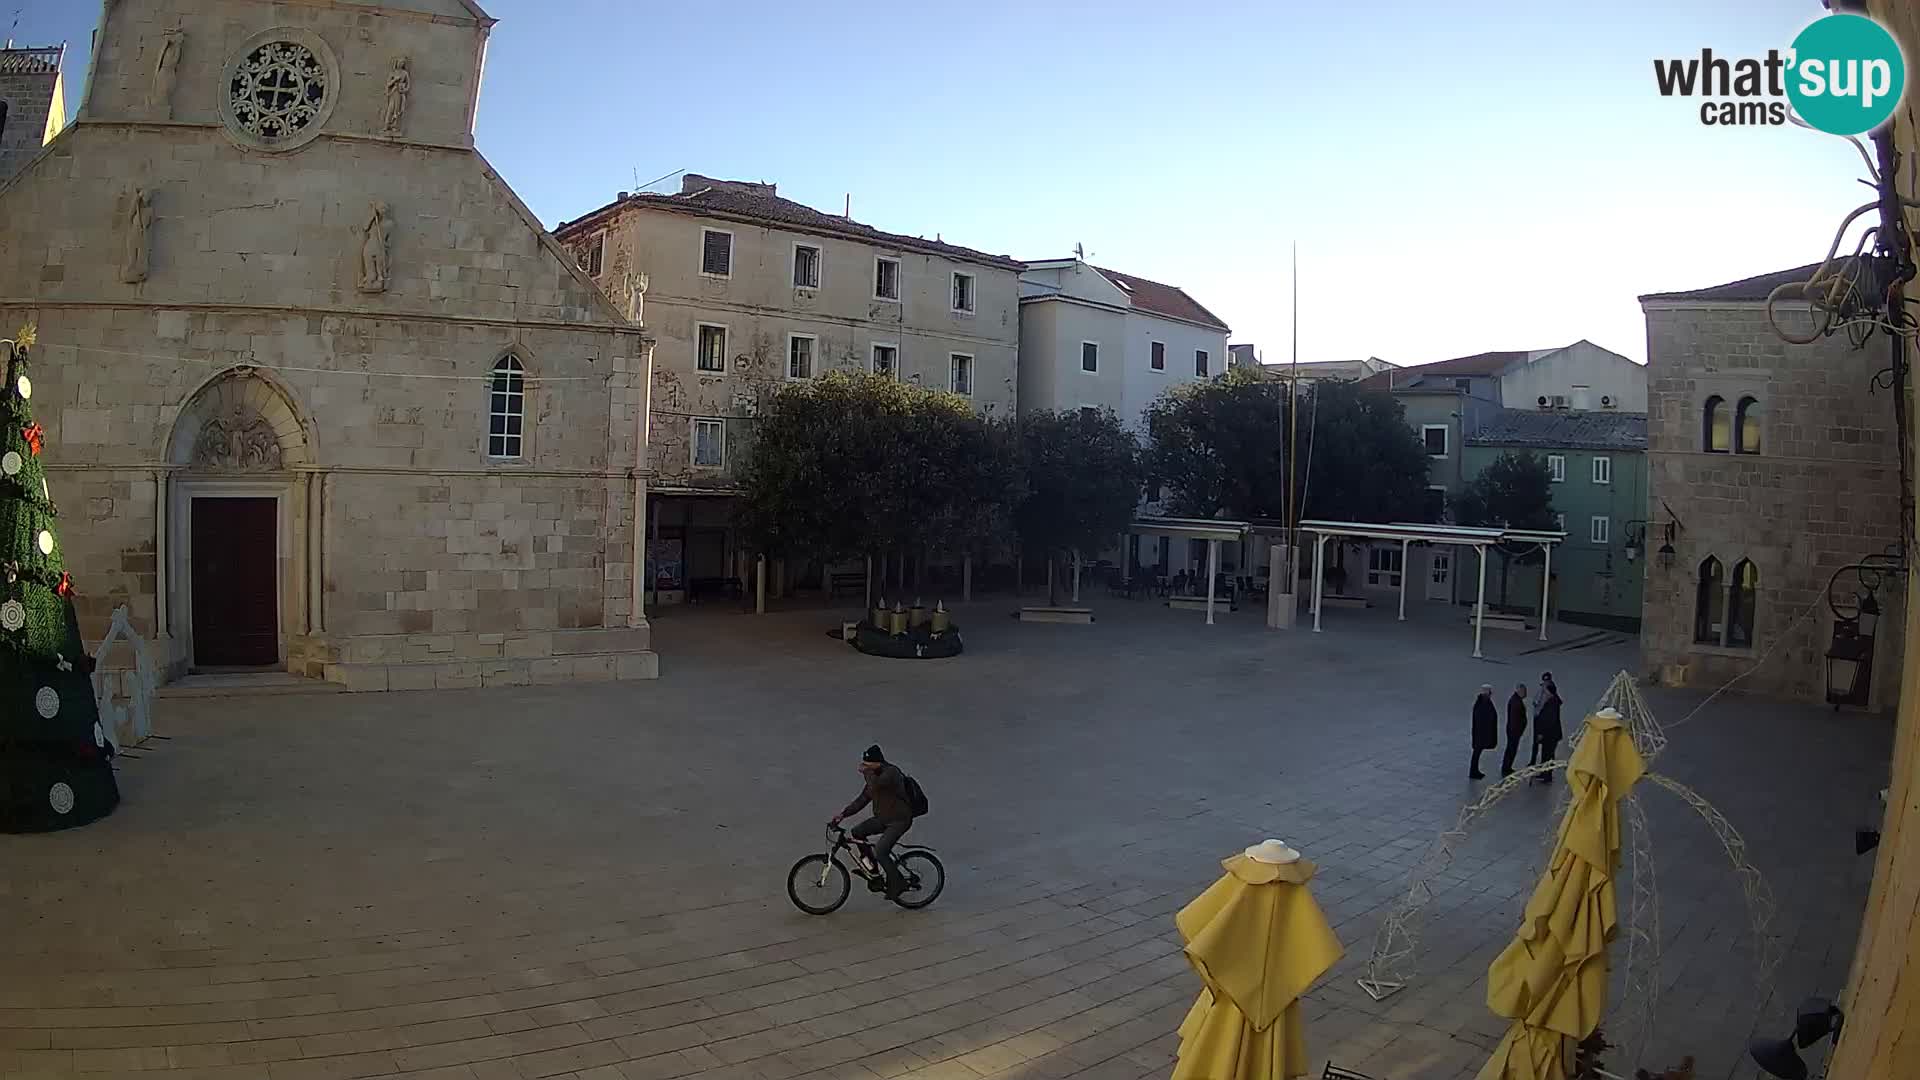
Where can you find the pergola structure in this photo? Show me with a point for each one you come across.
(1408, 534)
(1208, 529)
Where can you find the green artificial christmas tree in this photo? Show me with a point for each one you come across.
(56, 768)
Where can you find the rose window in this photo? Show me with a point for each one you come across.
(278, 90)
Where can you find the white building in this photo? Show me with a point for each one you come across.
(1581, 376)
(1094, 338)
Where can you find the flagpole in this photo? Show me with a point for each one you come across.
(1293, 411)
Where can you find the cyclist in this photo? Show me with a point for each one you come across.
(886, 791)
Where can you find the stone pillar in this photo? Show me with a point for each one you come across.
(1282, 601)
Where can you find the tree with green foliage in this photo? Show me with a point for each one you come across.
(55, 759)
(1083, 477)
(1515, 491)
(853, 464)
(1220, 447)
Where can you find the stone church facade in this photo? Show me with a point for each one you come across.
(320, 393)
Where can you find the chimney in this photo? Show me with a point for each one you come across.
(693, 183)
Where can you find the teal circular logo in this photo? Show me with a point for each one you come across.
(1847, 74)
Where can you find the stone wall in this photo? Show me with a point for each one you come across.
(1822, 493)
(34, 102)
(408, 556)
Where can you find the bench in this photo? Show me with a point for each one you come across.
(852, 581)
(1055, 614)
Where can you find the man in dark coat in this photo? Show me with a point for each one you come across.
(1516, 727)
(1486, 729)
(884, 788)
(1546, 724)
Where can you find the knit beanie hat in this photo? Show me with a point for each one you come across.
(873, 754)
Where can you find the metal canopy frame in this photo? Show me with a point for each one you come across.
(1209, 529)
(1409, 533)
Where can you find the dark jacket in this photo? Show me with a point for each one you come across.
(887, 790)
(1516, 715)
(1546, 722)
(1486, 723)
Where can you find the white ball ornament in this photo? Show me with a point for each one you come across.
(60, 797)
(10, 463)
(46, 701)
(46, 542)
(13, 615)
(25, 386)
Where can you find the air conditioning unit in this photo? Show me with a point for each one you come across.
(1559, 401)
(1606, 401)
(1543, 401)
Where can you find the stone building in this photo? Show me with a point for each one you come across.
(319, 391)
(33, 103)
(746, 292)
(1772, 468)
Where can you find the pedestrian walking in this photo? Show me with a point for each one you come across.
(1546, 724)
(1486, 729)
(1516, 727)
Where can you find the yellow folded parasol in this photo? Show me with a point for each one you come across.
(1552, 979)
(1258, 940)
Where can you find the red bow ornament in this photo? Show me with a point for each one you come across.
(65, 588)
(35, 436)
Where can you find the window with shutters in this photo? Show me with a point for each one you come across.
(1159, 356)
(1434, 436)
(1556, 467)
(963, 293)
(886, 360)
(716, 253)
(960, 374)
(506, 409)
(806, 266)
(886, 278)
(709, 443)
(593, 255)
(712, 354)
(1200, 363)
(1090, 356)
(800, 356)
(1600, 530)
(1603, 470)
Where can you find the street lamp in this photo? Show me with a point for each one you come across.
(1850, 656)
(1816, 1019)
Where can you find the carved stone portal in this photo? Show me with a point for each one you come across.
(240, 441)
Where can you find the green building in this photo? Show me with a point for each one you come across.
(1598, 461)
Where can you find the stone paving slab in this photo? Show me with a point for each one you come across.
(588, 881)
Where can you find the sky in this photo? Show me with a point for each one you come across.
(1457, 177)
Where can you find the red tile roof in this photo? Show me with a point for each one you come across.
(1481, 364)
(1169, 300)
(728, 200)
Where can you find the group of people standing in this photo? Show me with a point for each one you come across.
(1545, 719)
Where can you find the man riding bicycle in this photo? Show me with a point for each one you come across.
(886, 791)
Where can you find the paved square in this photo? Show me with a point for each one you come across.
(588, 880)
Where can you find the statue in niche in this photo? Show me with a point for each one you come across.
(166, 71)
(399, 83)
(373, 248)
(137, 225)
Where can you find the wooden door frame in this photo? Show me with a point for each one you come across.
(180, 551)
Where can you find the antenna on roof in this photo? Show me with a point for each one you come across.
(1079, 251)
(639, 187)
(848, 212)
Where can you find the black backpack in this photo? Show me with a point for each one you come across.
(916, 797)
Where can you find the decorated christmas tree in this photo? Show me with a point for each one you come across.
(55, 760)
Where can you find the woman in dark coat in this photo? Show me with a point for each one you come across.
(1546, 725)
(1486, 729)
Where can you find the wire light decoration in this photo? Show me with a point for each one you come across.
(1389, 967)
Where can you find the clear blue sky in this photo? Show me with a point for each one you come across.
(1459, 177)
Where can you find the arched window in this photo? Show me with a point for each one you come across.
(1709, 604)
(506, 408)
(1716, 433)
(1741, 594)
(1746, 427)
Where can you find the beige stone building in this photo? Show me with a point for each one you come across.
(747, 292)
(320, 393)
(1771, 468)
(33, 103)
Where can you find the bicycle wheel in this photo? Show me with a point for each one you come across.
(818, 885)
(925, 878)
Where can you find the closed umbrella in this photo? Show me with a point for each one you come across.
(1552, 979)
(1258, 940)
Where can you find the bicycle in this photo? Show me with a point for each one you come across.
(824, 878)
